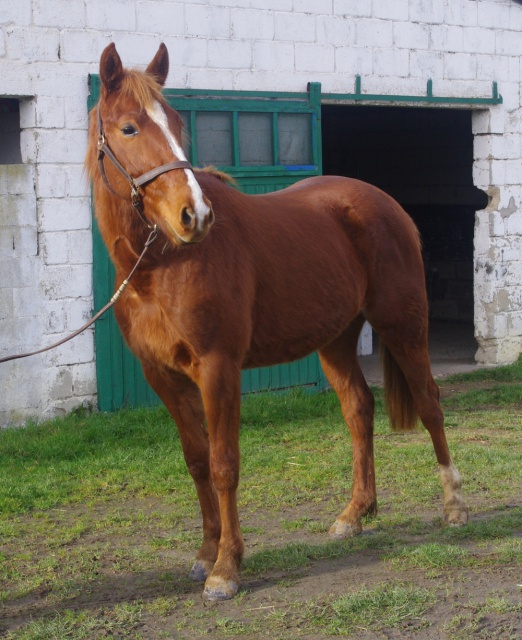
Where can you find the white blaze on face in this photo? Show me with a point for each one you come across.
(158, 115)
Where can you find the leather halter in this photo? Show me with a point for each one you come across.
(135, 183)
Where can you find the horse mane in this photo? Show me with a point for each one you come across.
(220, 175)
(142, 87)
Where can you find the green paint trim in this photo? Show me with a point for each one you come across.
(429, 98)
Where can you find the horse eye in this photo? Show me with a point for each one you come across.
(128, 131)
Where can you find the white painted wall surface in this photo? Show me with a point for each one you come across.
(48, 48)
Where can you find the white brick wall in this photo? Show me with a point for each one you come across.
(48, 48)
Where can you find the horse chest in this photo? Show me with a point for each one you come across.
(155, 334)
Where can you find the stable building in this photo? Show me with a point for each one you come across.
(422, 99)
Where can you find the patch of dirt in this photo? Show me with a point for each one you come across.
(278, 603)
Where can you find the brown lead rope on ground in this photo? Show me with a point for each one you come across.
(152, 236)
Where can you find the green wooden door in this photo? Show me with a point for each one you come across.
(266, 141)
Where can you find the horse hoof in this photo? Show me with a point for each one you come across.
(456, 517)
(217, 590)
(341, 530)
(200, 570)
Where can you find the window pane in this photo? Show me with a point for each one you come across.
(214, 138)
(255, 139)
(295, 138)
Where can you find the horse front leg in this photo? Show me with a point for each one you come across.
(221, 390)
(182, 398)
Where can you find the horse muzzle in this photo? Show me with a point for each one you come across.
(190, 227)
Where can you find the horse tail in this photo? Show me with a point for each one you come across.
(397, 395)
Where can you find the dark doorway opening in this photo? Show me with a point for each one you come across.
(10, 152)
(423, 157)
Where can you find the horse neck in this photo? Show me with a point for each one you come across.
(117, 220)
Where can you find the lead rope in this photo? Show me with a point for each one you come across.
(152, 236)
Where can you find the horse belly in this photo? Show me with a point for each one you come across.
(292, 326)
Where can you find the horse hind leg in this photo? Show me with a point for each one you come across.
(341, 367)
(408, 360)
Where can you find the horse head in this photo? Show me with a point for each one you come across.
(139, 146)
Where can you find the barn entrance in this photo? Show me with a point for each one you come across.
(423, 157)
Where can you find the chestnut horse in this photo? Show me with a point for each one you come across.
(237, 281)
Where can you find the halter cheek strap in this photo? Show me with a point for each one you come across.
(135, 183)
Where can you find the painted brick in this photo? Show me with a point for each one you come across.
(77, 351)
(54, 248)
(427, 11)
(387, 62)
(294, 27)
(84, 380)
(464, 13)
(60, 214)
(314, 58)
(16, 12)
(479, 39)
(6, 303)
(497, 69)
(54, 317)
(352, 8)
(226, 54)
(494, 15)
(84, 45)
(252, 24)
(324, 7)
(507, 146)
(426, 64)
(275, 5)
(272, 55)
(68, 281)
(411, 35)
(335, 30)
(116, 14)
(207, 21)
(3, 48)
(16, 180)
(460, 66)
(16, 273)
(186, 52)
(397, 10)
(59, 13)
(374, 33)
(52, 180)
(33, 44)
(482, 146)
(53, 146)
(18, 242)
(156, 16)
(447, 38)
(353, 61)
(16, 80)
(79, 247)
(78, 312)
(50, 112)
(18, 210)
(509, 43)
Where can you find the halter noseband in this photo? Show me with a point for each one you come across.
(135, 183)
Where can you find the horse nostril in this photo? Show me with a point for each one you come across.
(210, 217)
(186, 218)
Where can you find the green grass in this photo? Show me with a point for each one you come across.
(386, 605)
(97, 506)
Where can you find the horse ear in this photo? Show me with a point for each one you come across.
(159, 67)
(111, 68)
